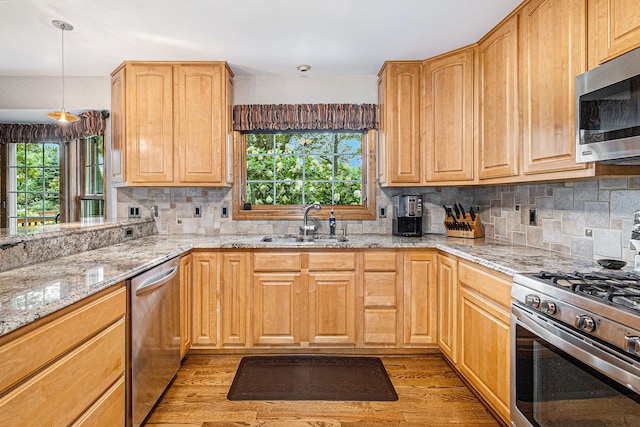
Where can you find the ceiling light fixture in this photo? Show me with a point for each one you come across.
(304, 68)
(62, 115)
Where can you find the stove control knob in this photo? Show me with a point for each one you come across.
(532, 300)
(585, 323)
(548, 307)
(632, 344)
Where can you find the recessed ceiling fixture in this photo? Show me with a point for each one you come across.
(304, 68)
(62, 115)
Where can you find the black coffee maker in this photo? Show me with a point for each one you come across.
(407, 216)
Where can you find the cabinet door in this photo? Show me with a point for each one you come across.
(234, 296)
(553, 53)
(499, 139)
(186, 273)
(401, 111)
(149, 117)
(205, 300)
(448, 117)
(332, 311)
(484, 348)
(201, 110)
(420, 300)
(381, 283)
(118, 122)
(276, 308)
(447, 305)
(614, 29)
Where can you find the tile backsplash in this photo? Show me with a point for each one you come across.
(590, 219)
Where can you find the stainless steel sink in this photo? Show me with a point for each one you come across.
(322, 240)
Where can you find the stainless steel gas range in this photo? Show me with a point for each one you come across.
(575, 349)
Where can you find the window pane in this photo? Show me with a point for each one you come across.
(303, 167)
(51, 155)
(51, 179)
(260, 167)
(260, 193)
(289, 193)
(348, 193)
(318, 192)
(92, 208)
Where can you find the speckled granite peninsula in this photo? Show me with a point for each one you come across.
(34, 291)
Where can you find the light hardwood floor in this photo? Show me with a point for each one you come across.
(429, 391)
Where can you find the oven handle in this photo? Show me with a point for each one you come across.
(622, 370)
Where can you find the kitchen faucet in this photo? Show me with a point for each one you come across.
(305, 227)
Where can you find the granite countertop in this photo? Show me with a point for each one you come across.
(31, 292)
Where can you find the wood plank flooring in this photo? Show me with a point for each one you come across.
(430, 394)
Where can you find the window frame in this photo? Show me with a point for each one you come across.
(365, 211)
(82, 181)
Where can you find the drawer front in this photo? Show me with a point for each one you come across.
(109, 410)
(380, 261)
(59, 394)
(493, 285)
(266, 261)
(332, 261)
(26, 354)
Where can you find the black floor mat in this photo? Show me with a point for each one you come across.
(311, 378)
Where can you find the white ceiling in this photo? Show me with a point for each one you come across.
(336, 37)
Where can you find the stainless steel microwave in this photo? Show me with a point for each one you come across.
(607, 127)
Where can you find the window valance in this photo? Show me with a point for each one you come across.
(90, 123)
(285, 117)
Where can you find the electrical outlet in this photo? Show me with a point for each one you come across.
(178, 221)
(588, 232)
(383, 212)
(533, 217)
(517, 207)
(128, 232)
(224, 211)
(134, 211)
(197, 211)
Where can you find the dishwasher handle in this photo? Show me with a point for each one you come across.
(156, 281)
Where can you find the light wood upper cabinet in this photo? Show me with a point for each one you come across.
(614, 29)
(399, 131)
(420, 298)
(499, 122)
(553, 52)
(448, 121)
(172, 123)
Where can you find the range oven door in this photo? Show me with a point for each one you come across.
(560, 378)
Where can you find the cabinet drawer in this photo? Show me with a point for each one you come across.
(332, 261)
(59, 394)
(24, 355)
(380, 261)
(109, 410)
(276, 261)
(493, 285)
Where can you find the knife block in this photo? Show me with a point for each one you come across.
(474, 228)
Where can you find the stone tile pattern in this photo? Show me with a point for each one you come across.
(565, 211)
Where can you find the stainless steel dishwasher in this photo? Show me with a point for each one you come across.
(153, 355)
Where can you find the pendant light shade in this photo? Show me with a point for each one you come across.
(62, 116)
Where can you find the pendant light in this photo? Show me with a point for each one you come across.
(62, 116)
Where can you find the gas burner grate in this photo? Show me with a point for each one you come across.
(620, 288)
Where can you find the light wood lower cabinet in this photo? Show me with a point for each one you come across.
(484, 334)
(204, 320)
(186, 280)
(67, 368)
(420, 327)
(447, 305)
(234, 299)
(381, 299)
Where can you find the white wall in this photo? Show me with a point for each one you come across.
(307, 89)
